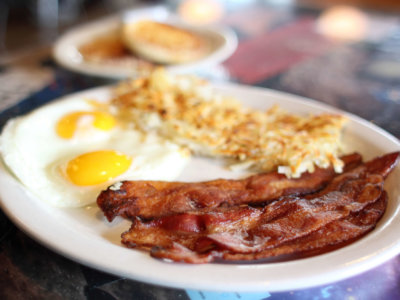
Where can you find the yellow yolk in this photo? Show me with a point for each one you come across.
(97, 167)
(68, 124)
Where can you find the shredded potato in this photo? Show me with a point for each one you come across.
(186, 110)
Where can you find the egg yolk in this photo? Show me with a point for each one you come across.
(68, 124)
(97, 167)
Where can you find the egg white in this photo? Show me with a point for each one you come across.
(33, 151)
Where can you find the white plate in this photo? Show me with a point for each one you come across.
(66, 51)
(85, 236)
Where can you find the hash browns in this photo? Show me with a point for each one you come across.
(186, 110)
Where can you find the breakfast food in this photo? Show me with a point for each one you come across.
(66, 152)
(143, 45)
(290, 227)
(151, 199)
(306, 197)
(333, 235)
(104, 47)
(187, 111)
(164, 43)
(109, 50)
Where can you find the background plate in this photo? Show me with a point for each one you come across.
(66, 52)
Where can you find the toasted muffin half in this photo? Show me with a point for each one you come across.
(164, 43)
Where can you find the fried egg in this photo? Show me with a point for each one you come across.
(66, 152)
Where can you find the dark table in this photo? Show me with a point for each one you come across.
(279, 48)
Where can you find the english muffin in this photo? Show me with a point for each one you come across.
(164, 43)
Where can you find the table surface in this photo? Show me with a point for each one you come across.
(279, 48)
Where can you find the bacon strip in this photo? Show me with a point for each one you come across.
(151, 199)
(290, 226)
(334, 235)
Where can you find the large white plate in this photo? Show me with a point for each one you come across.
(85, 236)
(66, 51)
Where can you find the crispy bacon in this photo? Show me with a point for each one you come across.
(334, 235)
(346, 209)
(150, 199)
(330, 237)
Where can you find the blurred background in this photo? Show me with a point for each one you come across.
(25, 24)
